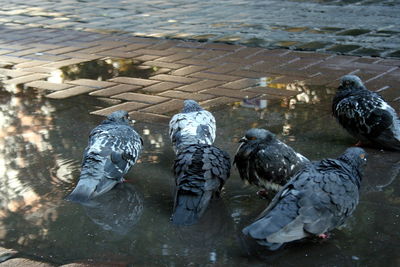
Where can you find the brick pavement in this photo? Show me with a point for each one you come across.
(213, 74)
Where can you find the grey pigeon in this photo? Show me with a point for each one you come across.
(265, 161)
(200, 173)
(365, 114)
(316, 200)
(193, 125)
(114, 146)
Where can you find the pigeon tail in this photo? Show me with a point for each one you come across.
(88, 188)
(189, 207)
(279, 226)
(83, 191)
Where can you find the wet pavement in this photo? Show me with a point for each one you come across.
(53, 80)
(43, 140)
(357, 27)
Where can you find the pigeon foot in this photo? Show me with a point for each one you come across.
(324, 236)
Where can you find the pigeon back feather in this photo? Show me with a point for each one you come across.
(114, 146)
(200, 173)
(316, 200)
(267, 162)
(366, 115)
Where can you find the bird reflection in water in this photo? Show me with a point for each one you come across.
(118, 210)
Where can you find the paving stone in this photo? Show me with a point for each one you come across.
(173, 78)
(273, 91)
(39, 69)
(175, 57)
(79, 55)
(200, 85)
(26, 78)
(63, 63)
(146, 58)
(229, 93)
(223, 68)
(153, 52)
(11, 59)
(241, 84)
(185, 95)
(92, 83)
(127, 106)
(48, 85)
(134, 81)
(163, 64)
(197, 62)
(166, 107)
(149, 117)
(73, 91)
(30, 64)
(143, 98)
(161, 87)
(188, 70)
(132, 47)
(248, 73)
(14, 73)
(209, 54)
(29, 51)
(218, 101)
(63, 50)
(212, 76)
(114, 90)
(116, 53)
(226, 47)
(24, 262)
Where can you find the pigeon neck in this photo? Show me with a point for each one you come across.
(355, 167)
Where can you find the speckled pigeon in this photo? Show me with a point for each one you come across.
(265, 161)
(366, 115)
(316, 200)
(193, 125)
(200, 173)
(114, 146)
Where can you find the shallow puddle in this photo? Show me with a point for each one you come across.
(41, 145)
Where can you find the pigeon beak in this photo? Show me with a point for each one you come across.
(242, 140)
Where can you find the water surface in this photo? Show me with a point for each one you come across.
(41, 145)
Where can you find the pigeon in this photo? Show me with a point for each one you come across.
(316, 200)
(201, 171)
(193, 125)
(265, 161)
(365, 114)
(114, 147)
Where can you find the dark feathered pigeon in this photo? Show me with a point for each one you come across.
(200, 173)
(114, 146)
(193, 125)
(365, 115)
(316, 200)
(265, 161)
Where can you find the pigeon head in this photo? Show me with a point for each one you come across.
(258, 134)
(351, 82)
(355, 157)
(191, 106)
(120, 116)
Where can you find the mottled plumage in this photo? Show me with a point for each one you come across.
(265, 161)
(365, 114)
(114, 146)
(316, 200)
(193, 125)
(200, 173)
